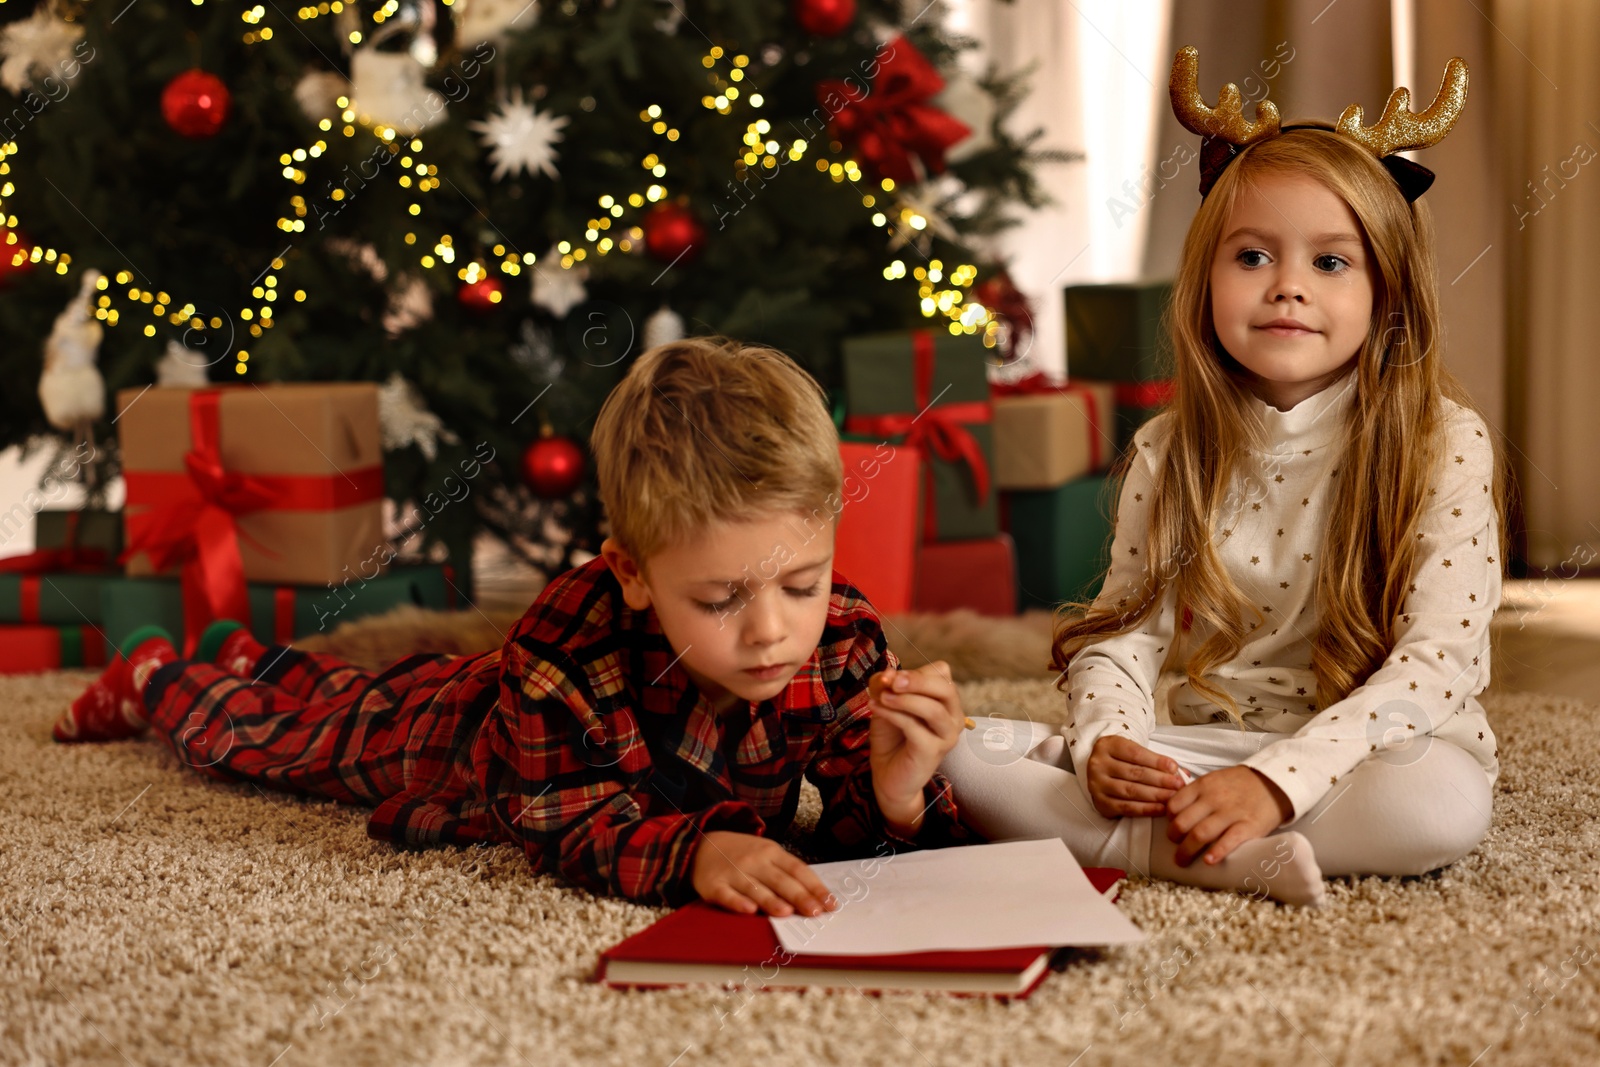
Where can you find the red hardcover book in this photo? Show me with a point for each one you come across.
(702, 943)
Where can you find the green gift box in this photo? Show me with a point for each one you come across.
(929, 390)
(1063, 539)
(278, 613)
(55, 598)
(1137, 404)
(100, 530)
(1115, 334)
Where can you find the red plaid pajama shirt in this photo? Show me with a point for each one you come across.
(582, 740)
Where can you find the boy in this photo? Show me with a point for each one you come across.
(644, 727)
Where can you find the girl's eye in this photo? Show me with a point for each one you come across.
(803, 593)
(1242, 257)
(1338, 262)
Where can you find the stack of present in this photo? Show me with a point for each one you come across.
(918, 522)
(260, 504)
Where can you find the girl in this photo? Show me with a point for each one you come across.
(1312, 534)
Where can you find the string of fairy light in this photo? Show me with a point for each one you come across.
(940, 294)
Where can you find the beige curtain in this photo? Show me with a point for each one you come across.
(1546, 90)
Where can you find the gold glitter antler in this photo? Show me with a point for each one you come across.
(1400, 128)
(1227, 119)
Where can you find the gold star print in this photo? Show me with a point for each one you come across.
(1163, 648)
(1270, 678)
(1413, 685)
(1486, 489)
(1478, 432)
(1252, 700)
(1447, 563)
(1461, 459)
(1474, 542)
(1138, 496)
(1227, 533)
(1300, 692)
(1465, 624)
(1278, 478)
(1255, 663)
(1405, 659)
(1291, 770)
(1255, 559)
(1433, 492)
(1407, 618)
(1145, 444)
(1447, 694)
(1306, 556)
(1491, 559)
(1267, 608)
(1335, 719)
(1413, 587)
(1372, 715)
(1283, 585)
(1280, 531)
(1335, 472)
(1332, 778)
(1480, 735)
(1121, 712)
(1311, 707)
(1255, 507)
(1474, 661)
(1372, 748)
(1440, 653)
(1132, 551)
(1307, 452)
(1305, 502)
(1074, 741)
(1456, 512)
(1089, 697)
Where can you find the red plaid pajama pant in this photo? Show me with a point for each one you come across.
(306, 723)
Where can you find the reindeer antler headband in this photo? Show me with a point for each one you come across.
(1224, 131)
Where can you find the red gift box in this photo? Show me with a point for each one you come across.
(980, 575)
(25, 649)
(875, 545)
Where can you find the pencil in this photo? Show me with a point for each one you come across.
(876, 684)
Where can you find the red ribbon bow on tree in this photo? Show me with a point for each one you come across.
(891, 119)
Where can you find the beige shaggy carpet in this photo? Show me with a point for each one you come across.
(155, 917)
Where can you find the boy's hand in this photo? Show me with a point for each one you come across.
(1125, 778)
(1224, 809)
(916, 721)
(746, 873)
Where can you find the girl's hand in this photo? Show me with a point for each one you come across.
(1125, 778)
(1224, 809)
(916, 721)
(746, 873)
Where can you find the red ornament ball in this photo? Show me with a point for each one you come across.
(482, 295)
(14, 253)
(195, 103)
(553, 467)
(671, 231)
(824, 18)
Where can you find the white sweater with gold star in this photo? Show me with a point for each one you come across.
(1269, 539)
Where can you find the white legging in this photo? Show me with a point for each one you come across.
(1388, 816)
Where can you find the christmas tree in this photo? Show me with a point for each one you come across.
(499, 202)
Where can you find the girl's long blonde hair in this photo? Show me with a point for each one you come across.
(1393, 439)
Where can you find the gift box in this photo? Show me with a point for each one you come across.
(278, 614)
(278, 484)
(25, 649)
(1048, 433)
(980, 574)
(1114, 332)
(57, 598)
(90, 533)
(1137, 403)
(1063, 539)
(928, 391)
(879, 521)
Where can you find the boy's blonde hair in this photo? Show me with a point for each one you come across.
(708, 430)
(1394, 435)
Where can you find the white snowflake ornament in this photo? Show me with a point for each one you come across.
(37, 47)
(519, 139)
(556, 289)
(406, 420)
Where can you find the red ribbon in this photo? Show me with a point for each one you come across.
(1038, 384)
(67, 558)
(191, 518)
(283, 614)
(1143, 394)
(936, 430)
(889, 121)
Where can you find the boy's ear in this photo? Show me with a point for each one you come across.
(626, 569)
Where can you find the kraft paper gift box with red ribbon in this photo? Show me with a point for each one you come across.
(928, 391)
(278, 614)
(979, 575)
(26, 649)
(281, 484)
(1063, 539)
(1048, 432)
(879, 516)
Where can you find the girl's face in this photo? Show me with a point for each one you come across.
(1291, 287)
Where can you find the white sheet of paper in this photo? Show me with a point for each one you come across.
(1005, 895)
